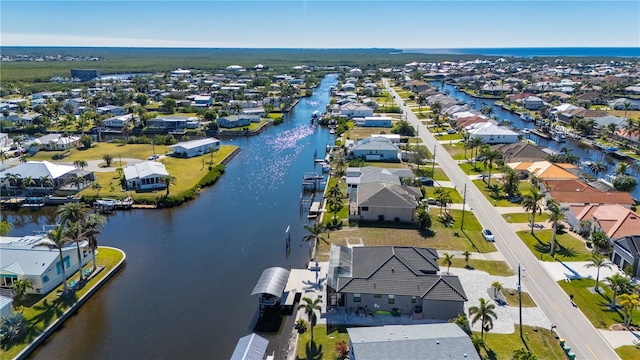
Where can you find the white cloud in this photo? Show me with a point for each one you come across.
(17, 39)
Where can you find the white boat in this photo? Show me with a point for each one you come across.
(526, 131)
(332, 131)
(559, 137)
(526, 117)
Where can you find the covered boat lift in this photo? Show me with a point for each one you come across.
(270, 286)
(250, 347)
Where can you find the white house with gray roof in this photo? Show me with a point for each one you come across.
(20, 260)
(408, 342)
(374, 149)
(195, 147)
(492, 134)
(147, 175)
(384, 201)
(399, 279)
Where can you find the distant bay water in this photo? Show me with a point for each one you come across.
(533, 52)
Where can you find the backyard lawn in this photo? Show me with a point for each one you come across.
(568, 248)
(449, 137)
(251, 127)
(390, 233)
(324, 345)
(40, 311)
(595, 306)
(628, 352)
(525, 217)
(358, 132)
(438, 174)
(98, 150)
(455, 196)
(541, 342)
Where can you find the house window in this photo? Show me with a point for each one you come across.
(45, 279)
(413, 299)
(392, 299)
(377, 296)
(365, 208)
(357, 298)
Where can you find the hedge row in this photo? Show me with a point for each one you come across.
(210, 178)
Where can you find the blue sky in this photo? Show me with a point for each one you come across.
(321, 24)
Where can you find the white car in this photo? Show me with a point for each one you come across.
(154, 156)
(488, 235)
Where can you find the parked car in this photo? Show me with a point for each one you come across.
(488, 235)
(451, 131)
(154, 156)
(432, 201)
(425, 181)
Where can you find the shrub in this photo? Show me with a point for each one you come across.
(301, 326)
(342, 349)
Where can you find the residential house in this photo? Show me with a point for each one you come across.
(520, 151)
(111, 110)
(28, 119)
(532, 103)
(260, 112)
(39, 170)
(6, 306)
(418, 86)
(57, 142)
(397, 279)
(195, 147)
(626, 252)
(355, 72)
(355, 110)
(20, 260)
(374, 121)
(492, 134)
(384, 201)
(614, 220)
(634, 90)
(173, 123)
(374, 149)
(373, 174)
(411, 342)
(202, 101)
(619, 104)
(590, 98)
(544, 170)
(147, 175)
(121, 121)
(467, 121)
(234, 121)
(572, 192)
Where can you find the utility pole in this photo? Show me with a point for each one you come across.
(464, 202)
(520, 298)
(433, 162)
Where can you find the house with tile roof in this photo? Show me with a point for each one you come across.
(573, 192)
(626, 251)
(398, 279)
(614, 220)
(544, 170)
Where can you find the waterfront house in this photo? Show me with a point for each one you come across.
(619, 104)
(374, 149)
(19, 260)
(258, 111)
(520, 151)
(355, 110)
(532, 103)
(121, 121)
(570, 192)
(195, 147)
(202, 101)
(492, 134)
(373, 121)
(173, 123)
(147, 175)
(411, 342)
(418, 86)
(373, 174)
(396, 279)
(626, 251)
(56, 142)
(234, 121)
(614, 220)
(544, 170)
(384, 201)
(38, 170)
(6, 306)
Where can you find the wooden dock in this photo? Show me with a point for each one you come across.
(144, 206)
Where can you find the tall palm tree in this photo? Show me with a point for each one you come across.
(45, 181)
(510, 181)
(491, 156)
(598, 167)
(334, 200)
(80, 164)
(57, 239)
(28, 182)
(622, 169)
(475, 143)
(91, 227)
(315, 235)
(77, 180)
(532, 202)
(310, 307)
(169, 181)
(629, 302)
(556, 213)
(467, 256)
(484, 312)
(72, 215)
(618, 283)
(598, 261)
(447, 260)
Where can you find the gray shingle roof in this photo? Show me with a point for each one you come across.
(388, 195)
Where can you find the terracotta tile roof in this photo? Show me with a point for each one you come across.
(617, 221)
(576, 192)
(545, 169)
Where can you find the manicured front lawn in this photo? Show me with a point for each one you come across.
(40, 311)
(438, 174)
(595, 306)
(324, 345)
(455, 196)
(568, 248)
(541, 343)
(497, 268)
(511, 296)
(389, 233)
(449, 137)
(628, 352)
(525, 217)
(500, 199)
(98, 150)
(456, 151)
(469, 169)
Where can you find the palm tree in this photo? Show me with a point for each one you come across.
(20, 287)
(617, 283)
(341, 163)
(484, 313)
(497, 287)
(510, 181)
(168, 181)
(80, 164)
(57, 239)
(45, 181)
(531, 202)
(91, 227)
(97, 187)
(28, 182)
(72, 215)
(77, 180)
(629, 302)
(467, 256)
(598, 167)
(598, 261)
(622, 169)
(315, 235)
(475, 143)
(556, 213)
(447, 260)
(491, 156)
(310, 307)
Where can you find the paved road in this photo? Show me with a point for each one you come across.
(571, 324)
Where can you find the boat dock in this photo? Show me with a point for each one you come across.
(541, 134)
(108, 205)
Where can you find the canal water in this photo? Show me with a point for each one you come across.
(185, 290)
(584, 151)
